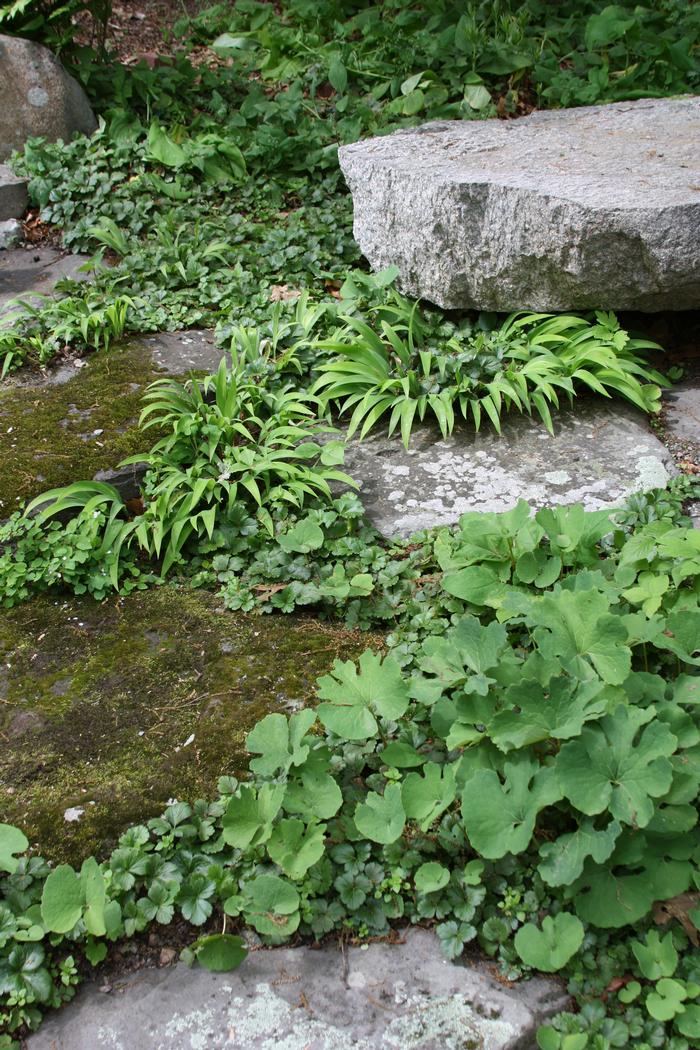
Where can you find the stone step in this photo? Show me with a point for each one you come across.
(380, 997)
(14, 197)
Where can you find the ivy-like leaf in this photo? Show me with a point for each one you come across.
(609, 768)
(379, 688)
(500, 818)
(578, 629)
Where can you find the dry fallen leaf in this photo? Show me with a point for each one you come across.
(282, 292)
(679, 908)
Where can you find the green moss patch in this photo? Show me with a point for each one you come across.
(56, 433)
(113, 709)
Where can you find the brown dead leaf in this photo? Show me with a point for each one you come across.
(280, 293)
(678, 908)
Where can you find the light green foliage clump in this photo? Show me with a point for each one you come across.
(524, 778)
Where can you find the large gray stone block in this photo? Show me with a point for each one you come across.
(38, 97)
(387, 997)
(13, 194)
(597, 207)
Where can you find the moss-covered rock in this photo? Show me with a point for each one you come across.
(113, 709)
(58, 432)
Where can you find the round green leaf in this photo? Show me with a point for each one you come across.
(62, 900)
(431, 877)
(220, 952)
(551, 947)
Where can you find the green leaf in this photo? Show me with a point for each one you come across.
(562, 860)
(667, 999)
(656, 956)
(400, 755)
(162, 148)
(381, 818)
(535, 714)
(426, 795)
(280, 741)
(500, 818)
(12, 841)
(220, 952)
(248, 819)
(295, 847)
(302, 538)
(62, 900)
(338, 75)
(431, 877)
(616, 767)
(316, 795)
(578, 629)
(95, 896)
(379, 688)
(550, 948)
(477, 584)
(272, 906)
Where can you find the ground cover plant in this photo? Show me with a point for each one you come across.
(520, 768)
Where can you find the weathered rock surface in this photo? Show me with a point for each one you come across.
(386, 997)
(30, 273)
(38, 97)
(10, 233)
(599, 453)
(13, 194)
(594, 207)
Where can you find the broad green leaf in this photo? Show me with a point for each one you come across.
(381, 818)
(656, 956)
(550, 948)
(579, 630)
(557, 712)
(295, 847)
(464, 655)
(316, 794)
(248, 818)
(220, 952)
(400, 755)
(12, 841)
(500, 818)
(618, 766)
(379, 688)
(272, 906)
(280, 742)
(426, 795)
(62, 899)
(302, 538)
(95, 895)
(431, 877)
(162, 148)
(562, 860)
(477, 584)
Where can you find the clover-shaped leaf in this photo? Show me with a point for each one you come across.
(616, 767)
(272, 906)
(355, 698)
(12, 841)
(667, 999)
(280, 742)
(656, 956)
(550, 948)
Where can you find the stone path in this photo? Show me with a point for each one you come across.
(382, 997)
(595, 207)
(598, 454)
(30, 273)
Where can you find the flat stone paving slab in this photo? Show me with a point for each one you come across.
(599, 453)
(595, 207)
(385, 997)
(29, 273)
